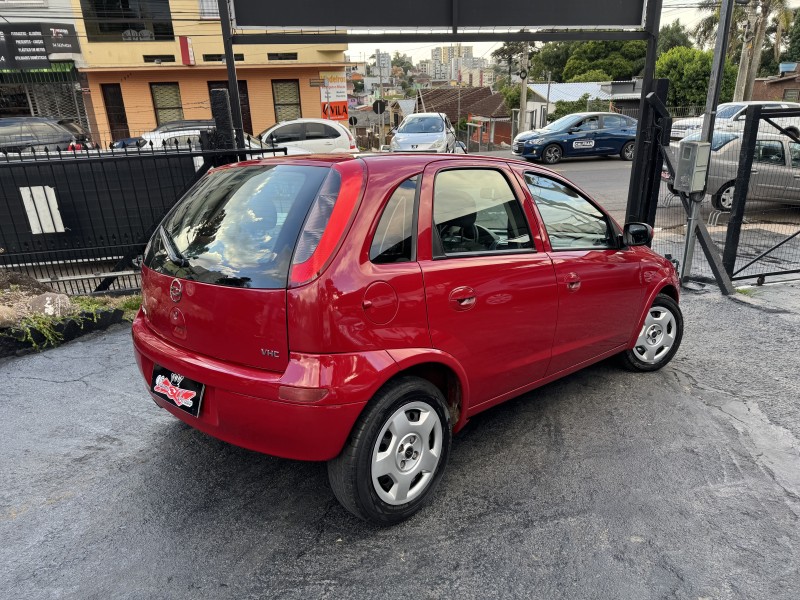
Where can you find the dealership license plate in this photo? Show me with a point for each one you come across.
(516, 148)
(176, 389)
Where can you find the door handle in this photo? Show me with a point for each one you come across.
(572, 281)
(754, 171)
(462, 298)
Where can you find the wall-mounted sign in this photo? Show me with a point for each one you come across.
(187, 52)
(333, 96)
(28, 45)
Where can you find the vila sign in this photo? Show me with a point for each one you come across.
(334, 96)
(28, 45)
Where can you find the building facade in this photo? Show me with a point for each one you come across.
(149, 62)
(40, 54)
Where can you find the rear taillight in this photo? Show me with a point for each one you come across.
(326, 223)
(352, 140)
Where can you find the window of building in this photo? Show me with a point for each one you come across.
(128, 21)
(476, 211)
(286, 95)
(221, 57)
(167, 102)
(281, 55)
(209, 9)
(159, 58)
(791, 95)
(393, 241)
(572, 222)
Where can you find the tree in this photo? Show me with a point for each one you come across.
(673, 35)
(620, 60)
(689, 71)
(511, 95)
(403, 61)
(705, 32)
(552, 58)
(593, 75)
(510, 53)
(794, 39)
(567, 107)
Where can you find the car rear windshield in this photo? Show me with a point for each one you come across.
(237, 227)
(422, 125)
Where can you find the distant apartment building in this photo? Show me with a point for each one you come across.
(383, 65)
(39, 58)
(149, 62)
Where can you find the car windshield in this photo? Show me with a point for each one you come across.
(422, 125)
(561, 123)
(719, 140)
(728, 111)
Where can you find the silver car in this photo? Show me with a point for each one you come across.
(775, 175)
(424, 132)
(730, 116)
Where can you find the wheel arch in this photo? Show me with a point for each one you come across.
(442, 371)
(666, 287)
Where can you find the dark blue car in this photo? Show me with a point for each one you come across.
(579, 134)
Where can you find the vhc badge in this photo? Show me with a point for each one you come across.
(176, 290)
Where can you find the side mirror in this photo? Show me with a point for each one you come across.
(637, 234)
(394, 130)
(573, 129)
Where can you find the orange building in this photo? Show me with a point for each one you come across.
(155, 61)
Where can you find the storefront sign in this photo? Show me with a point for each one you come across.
(28, 45)
(334, 96)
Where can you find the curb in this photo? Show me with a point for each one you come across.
(13, 341)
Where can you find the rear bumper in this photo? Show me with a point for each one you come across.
(241, 405)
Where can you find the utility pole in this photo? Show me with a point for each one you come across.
(380, 80)
(547, 105)
(523, 93)
(230, 64)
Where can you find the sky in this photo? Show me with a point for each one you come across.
(673, 9)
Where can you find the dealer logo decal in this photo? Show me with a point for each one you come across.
(178, 395)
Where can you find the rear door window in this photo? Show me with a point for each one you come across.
(769, 152)
(238, 227)
(288, 133)
(394, 236)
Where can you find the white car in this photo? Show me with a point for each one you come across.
(319, 136)
(185, 134)
(424, 132)
(730, 116)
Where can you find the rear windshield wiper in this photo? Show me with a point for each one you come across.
(172, 251)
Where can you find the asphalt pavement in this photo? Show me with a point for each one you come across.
(683, 483)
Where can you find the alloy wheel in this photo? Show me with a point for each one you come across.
(657, 336)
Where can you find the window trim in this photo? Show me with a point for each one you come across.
(612, 224)
(437, 249)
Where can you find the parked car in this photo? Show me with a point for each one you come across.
(27, 134)
(775, 175)
(184, 134)
(579, 134)
(359, 310)
(83, 141)
(129, 142)
(730, 117)
(424, 132)
(319, 136)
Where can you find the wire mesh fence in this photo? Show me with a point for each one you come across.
(760, 238)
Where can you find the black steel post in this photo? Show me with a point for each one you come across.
(749, 135)
(643, 154)
(223, 119)
(651, 182)
(230, 64)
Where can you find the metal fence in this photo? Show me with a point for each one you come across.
(78, 220)
(752, 203)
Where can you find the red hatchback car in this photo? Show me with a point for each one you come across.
(359, 310)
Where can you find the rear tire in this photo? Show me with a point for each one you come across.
(659, 338)
(552, 154)
(396, 454)
(723, 199)
(627, 151)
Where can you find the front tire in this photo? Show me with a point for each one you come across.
(659, 338)
(396, 453)
(552, 154)
(723, 199)
(627, 151)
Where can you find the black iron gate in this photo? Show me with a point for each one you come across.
(77, 220)
(752, 205)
